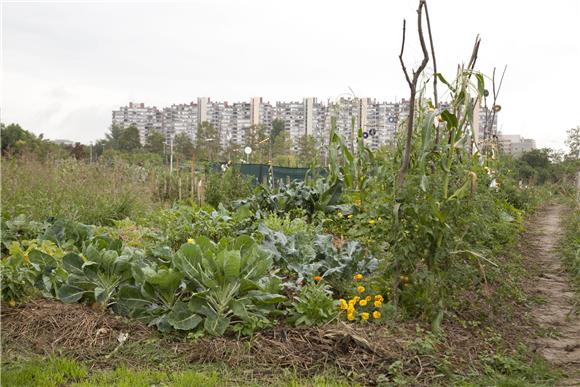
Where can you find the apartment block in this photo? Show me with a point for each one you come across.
(145, 118)
(515, 145)
(379, 120)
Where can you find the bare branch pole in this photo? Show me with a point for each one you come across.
(495, 95)
(413, 89)
(410, 121)
(474, 53)
(435, 98)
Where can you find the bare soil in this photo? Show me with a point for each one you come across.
(556, 316)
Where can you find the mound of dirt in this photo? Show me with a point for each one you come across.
(46, 327)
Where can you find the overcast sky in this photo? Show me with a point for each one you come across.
(67, 65)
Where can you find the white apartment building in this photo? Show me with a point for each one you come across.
(180, 118)
(379, 121)
(145, 118)
(515, 145)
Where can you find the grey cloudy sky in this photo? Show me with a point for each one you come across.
(66, 65)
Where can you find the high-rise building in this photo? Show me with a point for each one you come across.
(379, 121)
(145, 118)
(514, 144)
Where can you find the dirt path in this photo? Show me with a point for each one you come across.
(561, 344)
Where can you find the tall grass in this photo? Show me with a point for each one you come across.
(89, 193)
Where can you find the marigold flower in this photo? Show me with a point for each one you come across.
(350, 316)
(358, 277)
(343, 304)
(350, 309)
(378, 297)
(368, 298)
(190, 241)
(364, 316)
(363, 302)
(376, 314)
(317, 278)
(378, 304)
(356, 299)
(360, 289)
(372, 221)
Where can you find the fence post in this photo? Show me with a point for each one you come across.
(192, 176)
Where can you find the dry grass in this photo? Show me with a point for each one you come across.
(89, 193)
(47, 327)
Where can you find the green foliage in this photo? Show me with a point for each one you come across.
(31, 265)
(153, 294)
(155, 142)
(98, 277)
(60, 371)
(226, 187)
(573, 142)
(177, 224)
(17, 141)
(314, 305)
(570, 243)
(282, 145)
(17, 279)
(307, 151)
(231, 286)
(304, 255)
(254, 137)
(183, 145)
(288, 226)
(49, 372)
(517, 369)
(207, 142)
(297, 199)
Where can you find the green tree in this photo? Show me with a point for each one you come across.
(256, 137)
(282, 145)
(573, 143)
(183, 145)
(15, 139)
(233, 152)
(114, 137)
(307, 151)
(207, 142)
(155, 142)
(535, 166)
(130, 140)
(277, 128)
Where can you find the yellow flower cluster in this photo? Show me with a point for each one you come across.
(350, 306)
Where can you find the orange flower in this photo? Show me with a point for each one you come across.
(317, 278)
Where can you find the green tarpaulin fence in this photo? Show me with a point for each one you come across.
(260, 172)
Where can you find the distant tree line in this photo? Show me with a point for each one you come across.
(266, 142)
(538, 166)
